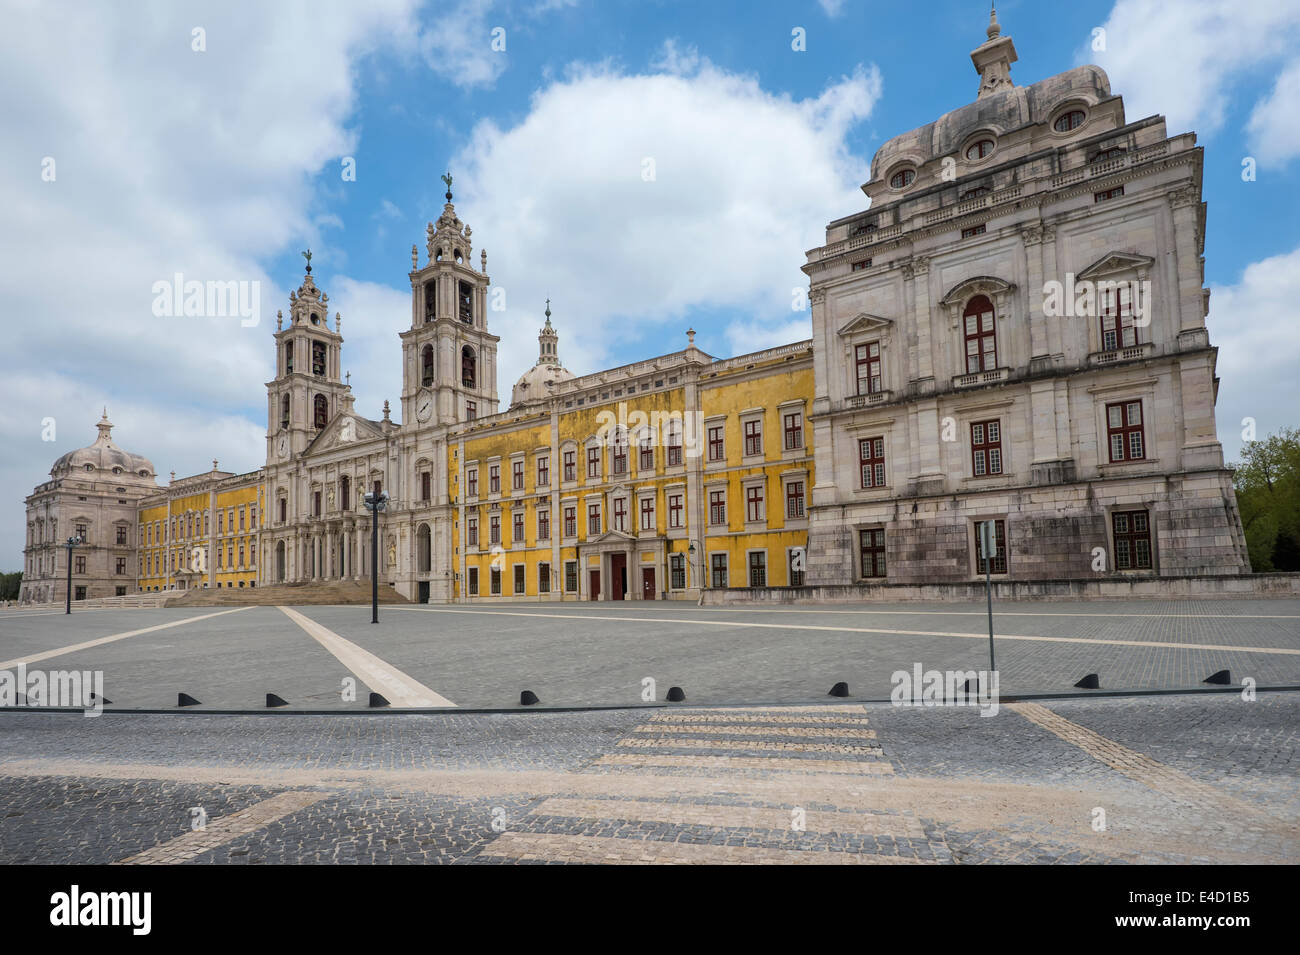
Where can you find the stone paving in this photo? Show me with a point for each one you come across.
(1184, 778)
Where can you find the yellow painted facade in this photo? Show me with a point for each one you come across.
(201, 532)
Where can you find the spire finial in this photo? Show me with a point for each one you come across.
(994, 28)
(307, 255)
(446, 177)
(548, 311)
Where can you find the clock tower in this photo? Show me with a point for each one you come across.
(449, 358)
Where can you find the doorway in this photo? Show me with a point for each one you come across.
(618, 576)
(647, 583)
(423, 592)
(593, 591)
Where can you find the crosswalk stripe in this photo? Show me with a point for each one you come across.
(750, 745)
(668, 760)
(526, 846)
(225, 829)
(740, 730)
(720, 718)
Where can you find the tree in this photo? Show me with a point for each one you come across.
(9, 585)
(1267, 482)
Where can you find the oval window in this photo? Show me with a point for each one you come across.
(902, 179)
(980, 149)
(1068, 121)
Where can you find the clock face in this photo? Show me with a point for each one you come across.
(283, 445)
(424, 407)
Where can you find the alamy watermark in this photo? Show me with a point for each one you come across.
(921, 687)
(1089, 299)
(69, 689)
(175, 298)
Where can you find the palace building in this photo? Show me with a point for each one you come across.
(1011, 334)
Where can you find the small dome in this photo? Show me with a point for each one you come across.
(104, 455)
(537, 383)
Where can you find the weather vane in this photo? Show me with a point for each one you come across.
(446, 177)
(307, 255)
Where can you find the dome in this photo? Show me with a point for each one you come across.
(104, 455)
(538, 382)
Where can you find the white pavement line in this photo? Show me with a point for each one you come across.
(46, 654)
(607, 849)
(382, 677)
(225, 829)
(910, 633)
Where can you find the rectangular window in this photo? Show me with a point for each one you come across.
(717, 447)
(793, 431)
(473, 581)
(981, 341)
(674, 443)
(675, 510)
(753, 437)
(517, 528)
(494, 479)
(241, 518)
(796, 559)
(754, 503)
(677, 572)
(620, 514)
(315, 505)
(872, 546)
(1000, 561)
(519, 579)
(974, 231)
(868, 364)
(718, 569)
(570, 576)
(717, 507)
(494, 529)
(593, 464)
(471, 410)
(1117, 328)
(647, 513)
(494, 582)
(593, 519)
(1124, 431)
(871, 456)
(543, 472)
(121, 535)
(986, 447)
(471, 482)
(647, 462)
(1108, 194)
(221, 521)
(426, 485)
(618, 462)
(1132, 540)
(794, 500)
(317, 358)
(543, 525)
(570, 466)
(471, 532)
(570, 522)
(543, 578)
(517, 476)
(757, 569)
(121, 565)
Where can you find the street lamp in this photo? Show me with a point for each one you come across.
(375, 502)
(72, 542)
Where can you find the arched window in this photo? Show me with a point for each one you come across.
(321, 411)
(468, 367)
(426, 365)
(284, 411)
(465, 302)
(902, 179)
(424, 549)
(288, 357)
(980, 334)
(1068, 121)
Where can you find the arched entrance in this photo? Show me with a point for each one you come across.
(279, 562)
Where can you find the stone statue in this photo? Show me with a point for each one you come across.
(347, 432)
(392, 554)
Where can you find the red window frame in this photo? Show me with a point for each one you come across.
(543, 525)
(494, 479)
(1117, 328)
(471, 532)
(620, 514)
(981, 149)
(593, 463)
(986, 447)
(754, 503)
(1132, 530)
(717, 443)
(753, 437)
(543, 472)
(570, 465)
(618, 455)
(717, 507)
(471, 482)
(757, 568)
(674, 444)
(867, 364)
(871, 458)
(517, 527)
(494, 529)
(675, 510)
(1125, 432)
(647, 462)
(1069, 121)
(1000, 536)
(593, 519)
(871, 549)
(793, 431)
(647, 513)
(979, 327)
(517, 475)
(570, 522)
(426, 486)
(794, 500)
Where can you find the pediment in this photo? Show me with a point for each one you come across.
(1114, 262)
(865, 322)
(344, 430)
(613, 537)
(979, 285)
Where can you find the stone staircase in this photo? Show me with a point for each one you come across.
(323, 592)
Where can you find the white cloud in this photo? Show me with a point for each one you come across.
(1274, 132)
(1181, 59)
(1252, 322)
(744, 182)
(832, 8)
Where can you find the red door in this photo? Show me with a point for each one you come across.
(593, 592)
(647, 583)
(617, 576)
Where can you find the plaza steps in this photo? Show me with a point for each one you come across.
(296, 594)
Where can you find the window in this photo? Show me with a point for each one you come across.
(902, 179)
(284, 509)
(1108, 194)
(543, 578)
(288, 358)
(859, 265)
(871, 454)
(318, 358)
(717, 447)
(793, 431)
(426, 485)
(674, 443)
(345, 493)
(471, 482)
(758, 568)
(974, 231)
(519, 578)
(121, 535)
(120, 565)
(570, 522)
(1132, 540)
(468, 367)
(647, 513)
(473, 581)
(494, 529)
(543, 472)
(320, 412)
(494, 582)
(868, 365)
(1114, 152)
(1117, 328)
(517, 476)
(494, 479)
(543, 525)
(871, 544)
(717, 507)
(1000, 536)
(81, 532)
(974, 193)
(981, 338)
(796, 561)
(471, 410)
(979, 150)
(674, 510)
(593, 464)
(426, 365)
(718, 569)
(1068, 121)
(570, 466)
(647, 461)
(618, 461)
(315, 498)
(517, 528)
(1124, 431)
(794, 500)
(986, 447)
(593, 519)
(753, 437)
(677, 572)
(754, 503)
(620, 513)
(284, 411)
(465, 300)
(241, 556)
(570, 576)
(471, 532)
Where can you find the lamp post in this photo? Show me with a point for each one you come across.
(72, 542)
(375, 502)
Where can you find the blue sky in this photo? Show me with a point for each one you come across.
(224, 163)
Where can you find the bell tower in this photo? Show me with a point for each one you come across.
(307, 391)
(449, 358)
